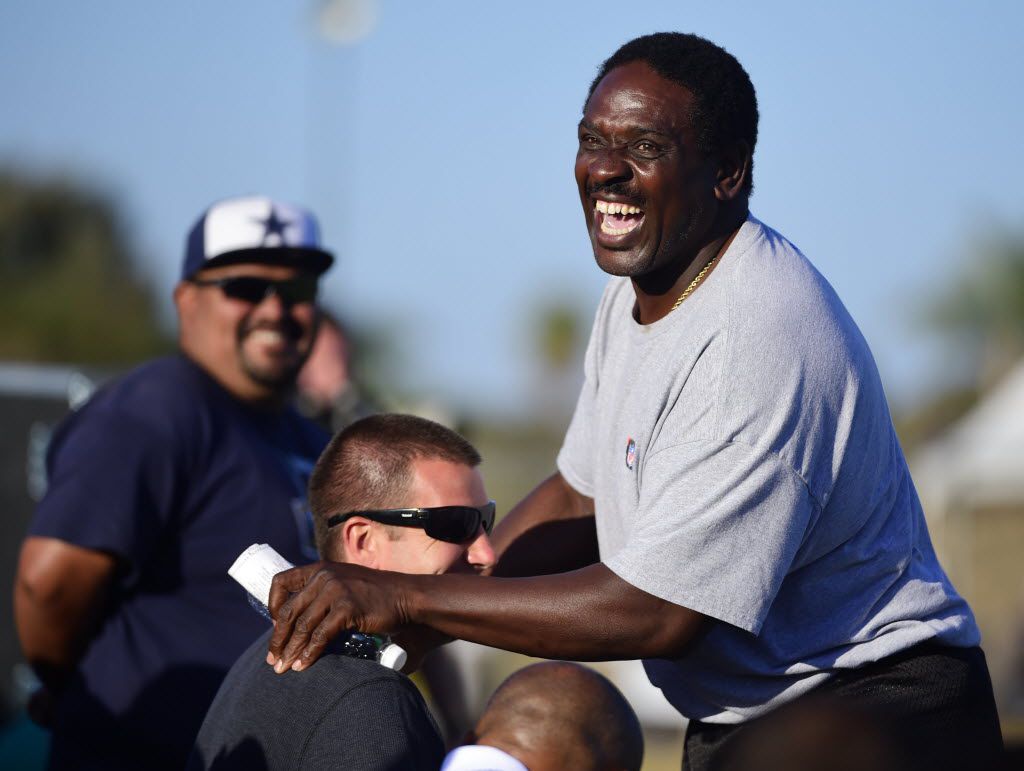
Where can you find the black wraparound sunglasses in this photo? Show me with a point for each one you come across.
(454, 524)
(251, 289)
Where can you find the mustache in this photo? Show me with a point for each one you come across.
(619, 189)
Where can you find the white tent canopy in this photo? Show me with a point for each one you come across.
(980, 458)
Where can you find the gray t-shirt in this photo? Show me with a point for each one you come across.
(743, 464)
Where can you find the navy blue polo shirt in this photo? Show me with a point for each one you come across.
(167, 472)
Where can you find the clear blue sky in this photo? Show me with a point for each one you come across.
(438, 150)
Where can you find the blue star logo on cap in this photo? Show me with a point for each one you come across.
(273, 226)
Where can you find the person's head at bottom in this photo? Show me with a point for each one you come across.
(553, 715)
(402, 493)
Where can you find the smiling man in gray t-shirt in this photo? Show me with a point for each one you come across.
(731, 505)
(743, 464)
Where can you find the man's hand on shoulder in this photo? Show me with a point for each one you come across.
(313, 604)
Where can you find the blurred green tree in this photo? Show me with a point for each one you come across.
(983, 310)
(980, 314)
(558, 335)
(68, 290)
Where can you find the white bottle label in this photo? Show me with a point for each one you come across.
(256, 567)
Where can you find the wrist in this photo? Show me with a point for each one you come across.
(410, 598)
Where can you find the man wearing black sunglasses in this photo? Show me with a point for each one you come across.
(123, 604)
(390, 492)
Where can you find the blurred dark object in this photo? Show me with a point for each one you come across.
(928, 708)
(817, 735)
(823, 734)
(41, 707)
(971, 484)
(328, 390)
(68, 289)
(33, 399)
(23, 745)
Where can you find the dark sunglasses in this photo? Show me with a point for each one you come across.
(454, 524)
(250, 289)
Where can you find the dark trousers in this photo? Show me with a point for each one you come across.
(930, 707)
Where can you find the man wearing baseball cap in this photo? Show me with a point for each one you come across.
(122, 600)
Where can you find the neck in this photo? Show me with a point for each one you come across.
(243, 389)
(657, 292)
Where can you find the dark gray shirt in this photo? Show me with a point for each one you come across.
(341, 713)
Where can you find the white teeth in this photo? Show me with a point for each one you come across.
(267, 335)
(606, 207)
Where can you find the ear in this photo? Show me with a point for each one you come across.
(184, 296)
(733, 170)
(363, 542)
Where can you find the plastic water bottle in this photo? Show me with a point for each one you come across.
(255, 569)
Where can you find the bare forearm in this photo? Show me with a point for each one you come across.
(59, 595)
(550, 531)
(48, 642)
(586, 615)
(52, 636)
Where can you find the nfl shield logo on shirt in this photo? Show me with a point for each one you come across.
(630, 454)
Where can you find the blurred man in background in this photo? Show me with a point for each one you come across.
(122, 600)
(390, 492)
(552, 716)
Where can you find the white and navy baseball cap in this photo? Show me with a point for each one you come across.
(255, 229)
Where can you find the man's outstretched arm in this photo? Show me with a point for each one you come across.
(570, 606)
(588, 614)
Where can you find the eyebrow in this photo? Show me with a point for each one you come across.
(633, 129)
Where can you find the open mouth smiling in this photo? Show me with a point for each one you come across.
(617, 219)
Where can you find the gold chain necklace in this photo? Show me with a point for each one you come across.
(693, 284)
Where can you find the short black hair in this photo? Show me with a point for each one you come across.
(726, 105)
(368, 465)
(565, 714)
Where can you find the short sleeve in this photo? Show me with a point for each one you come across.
(382, 725)
(112, 485)
(575, 459)
(717, 527)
